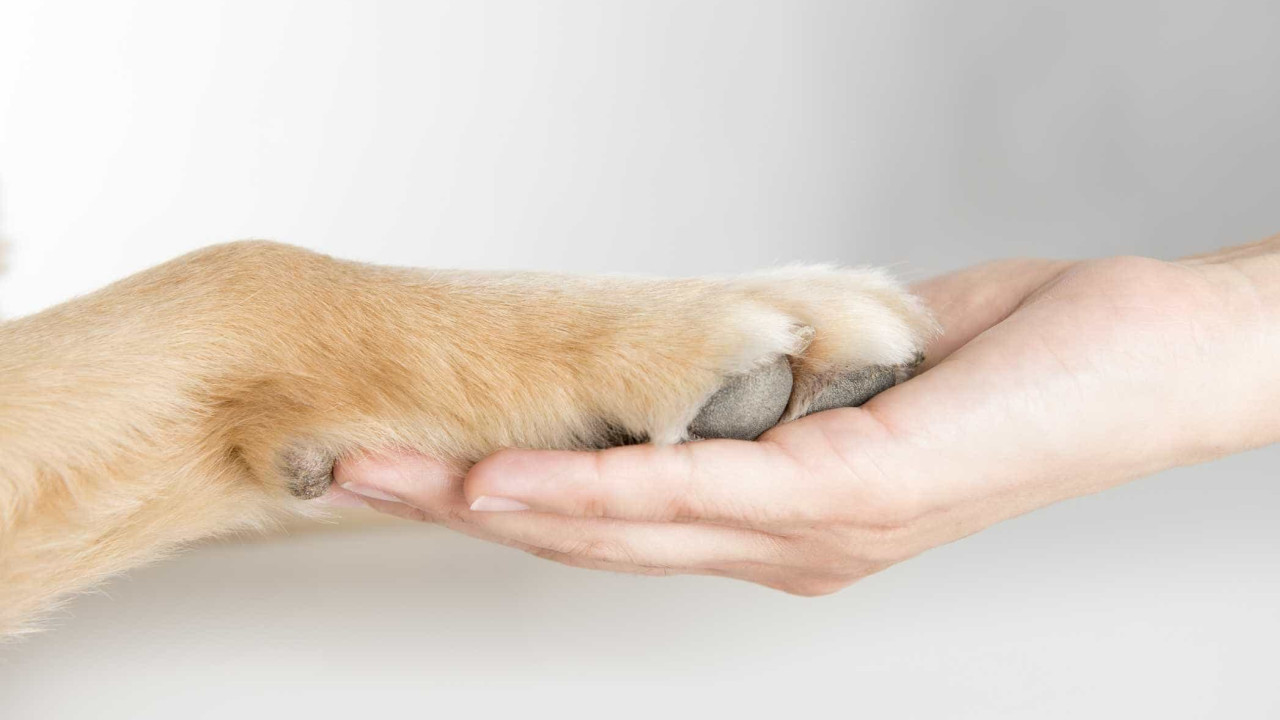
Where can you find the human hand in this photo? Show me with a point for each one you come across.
(1051, 380)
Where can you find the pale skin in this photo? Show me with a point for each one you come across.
(1050, 380)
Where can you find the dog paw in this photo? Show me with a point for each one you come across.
(458, 365)
(863, 334)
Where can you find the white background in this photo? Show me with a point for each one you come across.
(666, 138)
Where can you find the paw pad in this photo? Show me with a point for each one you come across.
(308, 472)
(746, 405)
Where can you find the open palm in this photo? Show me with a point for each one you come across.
(1050, 380)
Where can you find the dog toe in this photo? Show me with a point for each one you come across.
(747, 404)
(852, 389)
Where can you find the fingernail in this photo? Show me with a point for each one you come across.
(369, 492)
(339, 499)
(485, 503)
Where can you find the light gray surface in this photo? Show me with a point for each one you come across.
(666, 138)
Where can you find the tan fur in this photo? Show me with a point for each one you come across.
(190, 399)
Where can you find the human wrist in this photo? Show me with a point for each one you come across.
(1248, 278)
(1261, 274)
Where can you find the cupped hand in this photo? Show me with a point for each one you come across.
(1050, 380)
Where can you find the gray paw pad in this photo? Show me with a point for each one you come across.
(853, 389)
(309, 472)
(746, 405)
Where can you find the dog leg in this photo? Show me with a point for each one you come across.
(214, 392)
